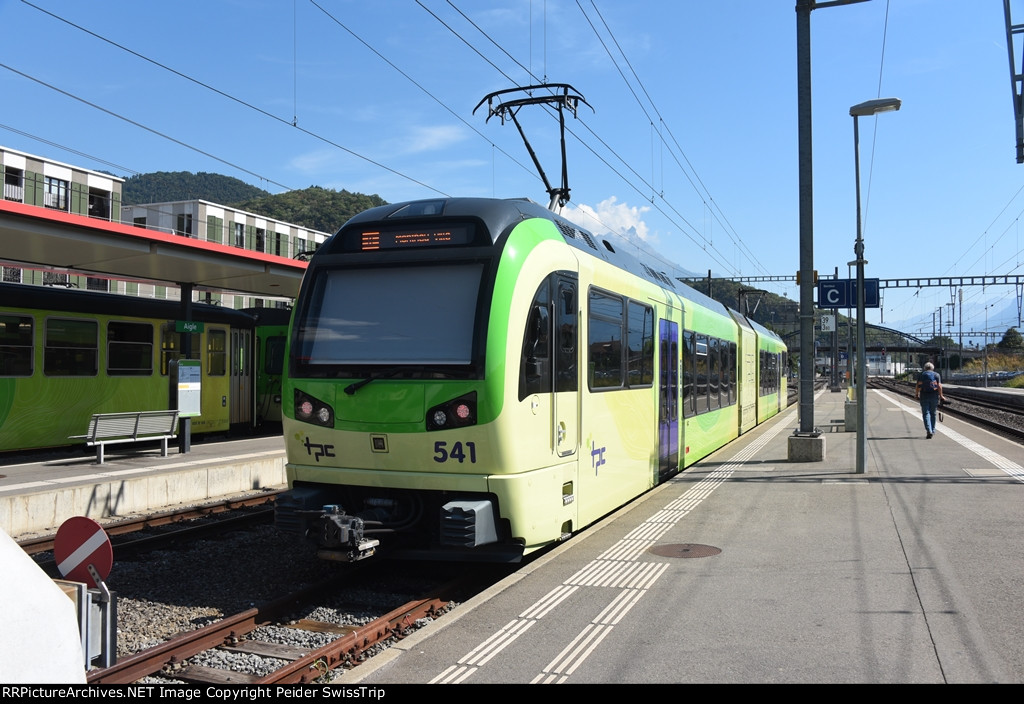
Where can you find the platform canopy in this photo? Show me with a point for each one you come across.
(36, 237)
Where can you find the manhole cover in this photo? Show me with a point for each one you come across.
(685, 550)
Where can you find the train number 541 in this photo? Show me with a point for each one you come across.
(460, 452)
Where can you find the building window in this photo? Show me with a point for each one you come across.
(14, 185)
(55, 193)
(94, 284)
(260, 235)
(12, 275)
(99, 203)
(184, 227)
(52, 279)
(239, 234)
(139, 222)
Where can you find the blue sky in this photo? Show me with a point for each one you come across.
(691, 145)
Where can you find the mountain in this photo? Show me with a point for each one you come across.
(317, 208)
(166, 186)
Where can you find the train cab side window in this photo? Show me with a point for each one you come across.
(535, 365)
(566, 372)
(15, 345)
(71, 347)
(129, 349)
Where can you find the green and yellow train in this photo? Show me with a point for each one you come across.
(475, 379)
(67, 354)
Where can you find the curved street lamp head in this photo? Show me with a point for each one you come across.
(873, 107)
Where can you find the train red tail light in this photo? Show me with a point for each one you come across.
(311, 410)
(457, 413)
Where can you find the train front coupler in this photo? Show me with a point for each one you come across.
(340, 536)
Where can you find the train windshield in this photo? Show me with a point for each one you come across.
(409, 315)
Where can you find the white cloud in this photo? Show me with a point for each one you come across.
(423, 139)
(610, 216)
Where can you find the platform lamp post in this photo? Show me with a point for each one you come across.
(871, 107)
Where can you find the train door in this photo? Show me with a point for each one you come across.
(668, 399)
(565, 369)
(241, 394)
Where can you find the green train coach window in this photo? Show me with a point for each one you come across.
(71, 347)
(15, 345)
(129, 349)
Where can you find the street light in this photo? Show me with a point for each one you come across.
(871, 107)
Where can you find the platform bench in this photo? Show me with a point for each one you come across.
(112, 428)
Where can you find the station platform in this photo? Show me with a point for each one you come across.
(750, 569)
(37, 496)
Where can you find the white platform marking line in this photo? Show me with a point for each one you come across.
(453, 675)
(577, 651)
(597, 572)
(543, 606)
(1000, 462)
(480, 655)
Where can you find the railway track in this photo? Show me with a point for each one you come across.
(1002, 419)
(258, 632)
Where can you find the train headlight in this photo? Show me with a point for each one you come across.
(311, 410)
(457, 413)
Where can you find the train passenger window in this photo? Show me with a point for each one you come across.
(71, 347)
(689, 372)
(216, 352)
(16, 345)
(714, 373)
(129, 349)
(731, 372)
(640, 345)
(605, 343)
(700, 399)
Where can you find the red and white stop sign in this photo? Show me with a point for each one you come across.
(81, 542)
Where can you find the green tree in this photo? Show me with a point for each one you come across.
(1012, 341)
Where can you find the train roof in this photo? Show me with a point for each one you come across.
(765, 332)
(500, 215)
(30, 297)
(269, 316)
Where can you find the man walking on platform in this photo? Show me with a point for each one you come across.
(929, 392)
